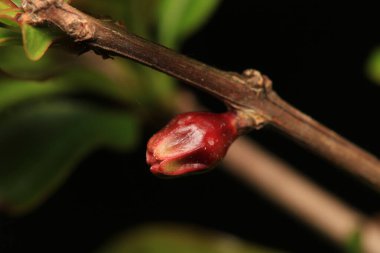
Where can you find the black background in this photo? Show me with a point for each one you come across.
(315, 54)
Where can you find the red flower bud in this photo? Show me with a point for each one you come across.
(191, 142)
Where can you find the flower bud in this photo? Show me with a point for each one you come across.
(191, 142)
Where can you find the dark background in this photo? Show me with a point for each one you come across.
(315, 54)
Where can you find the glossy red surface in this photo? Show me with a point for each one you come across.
(191, 142)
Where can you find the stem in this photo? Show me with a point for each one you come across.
(249, 94)
(282, 184)
(316, 207)
(325, 142)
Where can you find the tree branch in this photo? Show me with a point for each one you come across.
(316, 207)
(250, 94)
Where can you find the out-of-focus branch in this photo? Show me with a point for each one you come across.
(299, 196)
(292, 191)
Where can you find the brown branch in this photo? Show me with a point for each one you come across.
(301, 197)
(292, 191)
(249, 94)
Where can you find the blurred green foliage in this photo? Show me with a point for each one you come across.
(373, 66)
(177, 19)
(56, 108)
(7, 16)
(40, 145)
(9, 37)
(168, 238)
(17, 2)
(353, 244)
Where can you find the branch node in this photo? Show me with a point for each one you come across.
(68, 19)
(249, 118)
(257, 82)
(33, 6)
(79, 29)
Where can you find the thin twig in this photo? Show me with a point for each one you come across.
(250, 94)
(301, 197)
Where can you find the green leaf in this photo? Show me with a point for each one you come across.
(353, 244)
(138, 15)
(5, 4)
(9, 37)
(17, 2)
(8, 16)
(373, 66)
(41, 144)
(168, 238)
(92, 82)
(36, 41)
(178, 19)
(14, 92)
(15, 62)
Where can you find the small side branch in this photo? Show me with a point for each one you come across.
(250, 93)
(316, 207)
